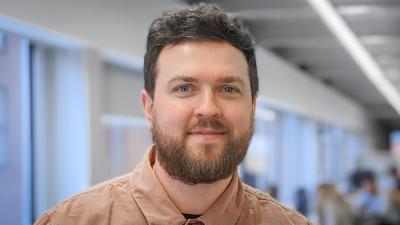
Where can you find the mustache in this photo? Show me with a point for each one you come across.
(209, 123)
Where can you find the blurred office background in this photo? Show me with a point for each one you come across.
(328, 110)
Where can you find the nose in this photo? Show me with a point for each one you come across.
(208, 106)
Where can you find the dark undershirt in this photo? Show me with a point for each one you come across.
(190, 216)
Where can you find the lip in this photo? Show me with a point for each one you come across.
(207, 132)
(207, 136)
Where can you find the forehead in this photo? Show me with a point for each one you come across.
(201, 59)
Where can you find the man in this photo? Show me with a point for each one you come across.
(200, 94)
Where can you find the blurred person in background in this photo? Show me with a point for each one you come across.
(393, 210)
(368, 203)
(392, 214)
(395, 177)
(332, 207)
(201, 86)
(302, 201)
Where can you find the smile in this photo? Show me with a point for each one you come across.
(207, 132)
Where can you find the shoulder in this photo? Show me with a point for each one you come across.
(100, 191)
(93, 204)
(269, 209)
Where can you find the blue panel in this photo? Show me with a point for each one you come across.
(2, 42)
(3, 125)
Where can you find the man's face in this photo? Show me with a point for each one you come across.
(202, 112)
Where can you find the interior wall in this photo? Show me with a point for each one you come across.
(113, 90)
(94, 72)
(122, 87)
(15, 177)
(284, 85)
(117, 25)
(121, 27)
(61, 148)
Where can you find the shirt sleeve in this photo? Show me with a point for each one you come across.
(44, 220)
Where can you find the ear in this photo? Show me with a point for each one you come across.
(254, 103)
(147, 104)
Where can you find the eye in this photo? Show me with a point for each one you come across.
(230, 89)
(184, 88)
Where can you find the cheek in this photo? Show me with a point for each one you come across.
(171, 116)
(240, 119)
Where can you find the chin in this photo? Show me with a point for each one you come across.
(206, 151)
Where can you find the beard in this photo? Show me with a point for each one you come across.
(180, 162)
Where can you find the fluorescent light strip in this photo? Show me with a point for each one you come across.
(354, 47)
(358, 10)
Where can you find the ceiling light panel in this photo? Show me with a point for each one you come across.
(361, 56)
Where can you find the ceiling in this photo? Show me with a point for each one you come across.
(295, 32)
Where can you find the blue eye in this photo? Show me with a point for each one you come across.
(184, 88)
(230, 90)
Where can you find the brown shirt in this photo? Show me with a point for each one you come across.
(138, 198)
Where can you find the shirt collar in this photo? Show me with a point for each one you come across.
(158, 208)
(227, 208)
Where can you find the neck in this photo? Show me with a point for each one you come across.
(190, 199)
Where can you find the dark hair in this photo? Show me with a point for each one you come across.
(197, 22)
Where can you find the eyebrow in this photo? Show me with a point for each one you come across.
(230, 79)
(183, 78)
